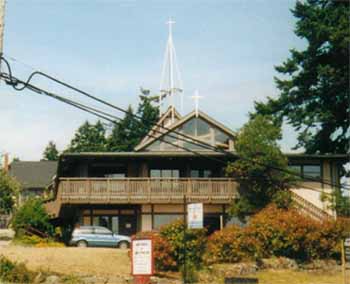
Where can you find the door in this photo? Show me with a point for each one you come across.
(127, 225)
(212, 223)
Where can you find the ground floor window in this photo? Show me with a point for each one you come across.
(119, 221)
(110, 222)
(164, 219)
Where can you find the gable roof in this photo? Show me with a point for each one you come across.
(159, 126)
(180, 122)
(33, 174)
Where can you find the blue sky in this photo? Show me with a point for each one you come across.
(226, 49)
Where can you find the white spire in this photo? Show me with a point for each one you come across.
(171, 83)
(196, 97)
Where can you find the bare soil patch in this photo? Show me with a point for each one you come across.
(72, 260)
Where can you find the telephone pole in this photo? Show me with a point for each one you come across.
(2, 24)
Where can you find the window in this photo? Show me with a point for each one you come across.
(200, 173)
(83, 231)
(164, 173)
(116, 175)
(164, 219)
(102, 231)
(312, 171)
(295, 169)
(102, 221)
(194, 174)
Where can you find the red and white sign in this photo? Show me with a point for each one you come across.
(142, 262)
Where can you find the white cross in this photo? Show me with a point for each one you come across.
(196, 97)
(170, 22)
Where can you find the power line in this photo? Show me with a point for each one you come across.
(14, 81)
(101, 114)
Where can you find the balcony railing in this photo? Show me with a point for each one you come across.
(146, 190)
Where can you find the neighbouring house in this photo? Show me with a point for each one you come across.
(33, 176)
(150, 186)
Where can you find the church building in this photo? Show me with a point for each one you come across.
(144, 189)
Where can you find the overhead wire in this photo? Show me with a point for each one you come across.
(190, 139)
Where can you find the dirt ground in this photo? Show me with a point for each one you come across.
(72, 260)
(114, 262)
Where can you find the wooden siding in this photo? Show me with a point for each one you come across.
(146, 190)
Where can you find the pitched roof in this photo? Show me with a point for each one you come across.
(181, 121)
(159, 126)
(33, 174)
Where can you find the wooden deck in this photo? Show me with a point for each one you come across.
(146, 190)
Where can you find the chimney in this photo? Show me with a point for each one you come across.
(6, 162)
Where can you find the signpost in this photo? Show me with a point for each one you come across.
(194, 221)
(345, 246)
(195, 216)
(142, 261)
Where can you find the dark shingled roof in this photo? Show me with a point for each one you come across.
(36, 174)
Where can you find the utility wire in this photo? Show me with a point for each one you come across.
(193, 141)
(99, 113)
(104, 115)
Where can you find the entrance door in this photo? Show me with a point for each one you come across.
(212, 223)
(127, 225)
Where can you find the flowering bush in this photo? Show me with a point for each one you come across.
(225, 246)
(163, 251)
(192, 244)
(276, 232)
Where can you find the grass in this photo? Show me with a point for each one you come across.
(298, 277)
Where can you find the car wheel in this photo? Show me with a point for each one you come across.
(123, 245)
(82, 244)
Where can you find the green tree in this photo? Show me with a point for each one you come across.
(256, 169)
(51, 152)
(128, 132)
(148, 112)
(124, 136)
(32, 213)
(314, 86)
(89, 138)
(9, 189)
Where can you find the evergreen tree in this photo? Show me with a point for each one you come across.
(314, 85)
(51, 152)
(128, 132)
(9, 189)
(149, 114)
(256, 172)
(124, 136)
(89, 138)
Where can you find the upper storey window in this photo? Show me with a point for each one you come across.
(313, 171)
(195, 128)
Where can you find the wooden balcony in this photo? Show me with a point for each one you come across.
(145, 190)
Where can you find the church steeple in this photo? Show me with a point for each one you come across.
(171, 84)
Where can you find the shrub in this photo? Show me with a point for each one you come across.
(14, 272)
(294, 235)
(224, 246)
(36, 241)
(163, 252)
(32, 214)
(194, 241)
(277, 232)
